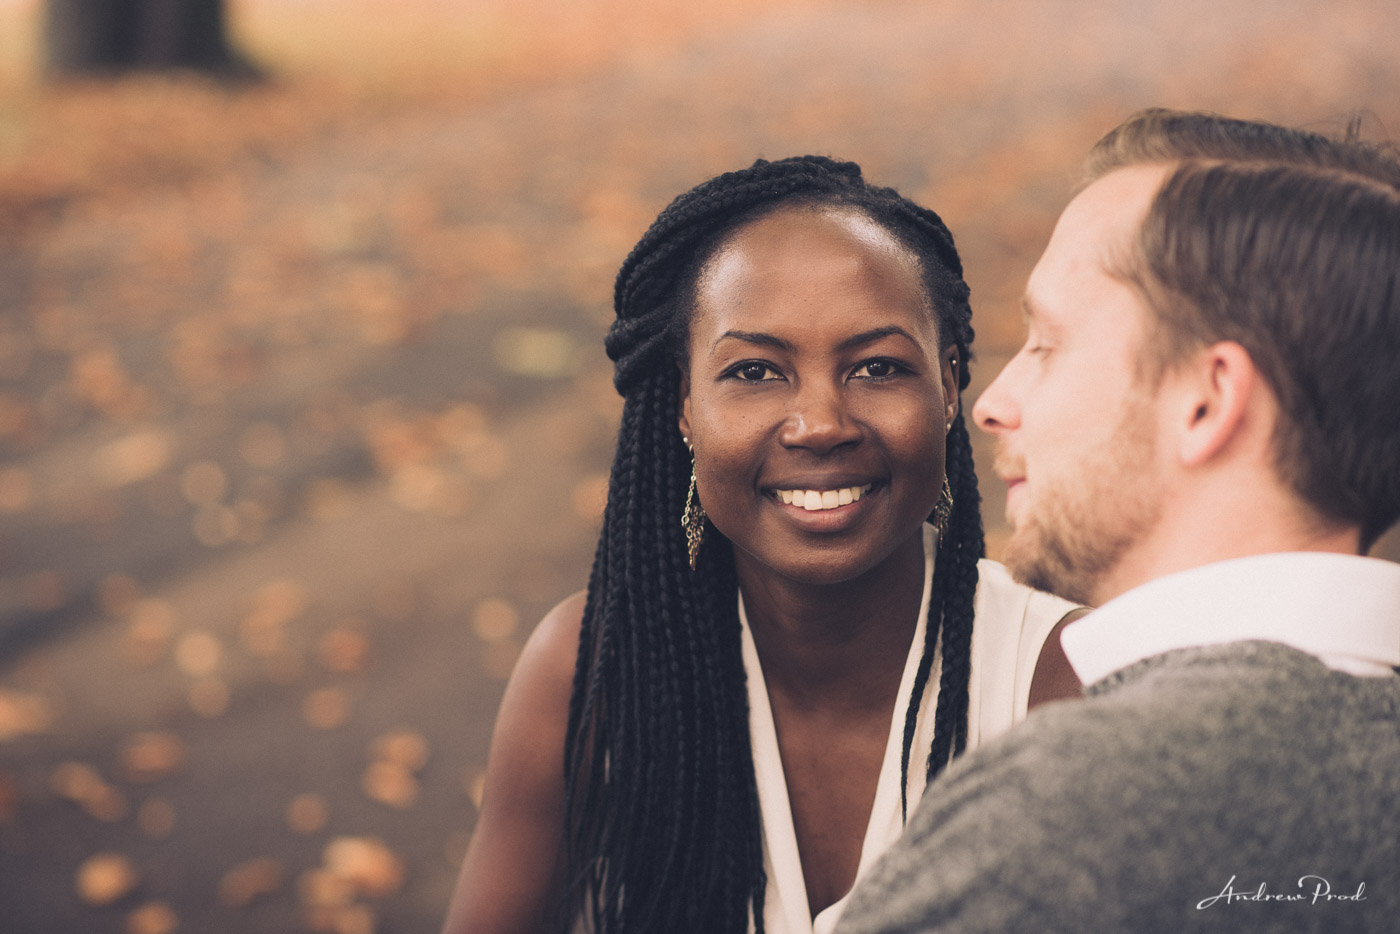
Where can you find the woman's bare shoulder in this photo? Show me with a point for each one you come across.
(552, 649)
(511, 875)
(537, 696)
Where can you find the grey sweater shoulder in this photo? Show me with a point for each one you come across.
(1238, 788)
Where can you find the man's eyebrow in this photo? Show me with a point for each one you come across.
(754, 337)
(1028, 309)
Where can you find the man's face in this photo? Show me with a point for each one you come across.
(1076, 426)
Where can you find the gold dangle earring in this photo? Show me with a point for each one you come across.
(693, 519)
(943, 509)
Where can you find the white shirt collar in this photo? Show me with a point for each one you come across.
(1342, 609)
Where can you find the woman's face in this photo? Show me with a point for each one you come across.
(816, 397)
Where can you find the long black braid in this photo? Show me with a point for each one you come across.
(664, 832)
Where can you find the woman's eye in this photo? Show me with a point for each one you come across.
(876, 369)
(754, 372)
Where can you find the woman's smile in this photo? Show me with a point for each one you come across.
(823, 499)
(826, 510)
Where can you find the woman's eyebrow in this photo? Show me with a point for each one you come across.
(755, 337)
(856, 340)
(875, 334)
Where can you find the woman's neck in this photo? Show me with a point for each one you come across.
(834, 642)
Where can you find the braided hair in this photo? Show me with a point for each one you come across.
(663, 823)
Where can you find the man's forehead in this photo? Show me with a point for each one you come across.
(1115, 204)
(1094, 233)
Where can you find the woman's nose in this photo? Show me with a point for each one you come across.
(819, 421)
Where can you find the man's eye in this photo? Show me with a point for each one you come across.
(754, 372)
(877, 369)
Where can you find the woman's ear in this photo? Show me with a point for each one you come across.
(949, 365)
(683, 407)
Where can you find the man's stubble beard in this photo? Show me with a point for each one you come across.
(1081, 528)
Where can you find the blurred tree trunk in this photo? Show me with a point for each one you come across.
(106, 36)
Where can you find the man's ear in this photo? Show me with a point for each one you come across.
(949, 365)
(683, 408)
(1221, 387)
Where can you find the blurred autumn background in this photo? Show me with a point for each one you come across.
(304, 417)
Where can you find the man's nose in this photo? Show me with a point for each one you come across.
(996, 409)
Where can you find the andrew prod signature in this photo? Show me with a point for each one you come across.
(1321, 892)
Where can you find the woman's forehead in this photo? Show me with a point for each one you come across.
(776, 230)
(813, 258)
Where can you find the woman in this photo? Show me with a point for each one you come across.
(733, 720)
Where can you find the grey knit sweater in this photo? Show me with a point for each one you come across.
(1191, 792)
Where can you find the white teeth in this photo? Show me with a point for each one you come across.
(815, 500)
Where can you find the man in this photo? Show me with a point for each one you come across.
(1200, 436)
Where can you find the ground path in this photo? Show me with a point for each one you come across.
(292, 456)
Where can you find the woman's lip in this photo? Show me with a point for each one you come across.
(835, 519)
(821, 498)
(825, 483)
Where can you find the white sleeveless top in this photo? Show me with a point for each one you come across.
(1011, 622)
